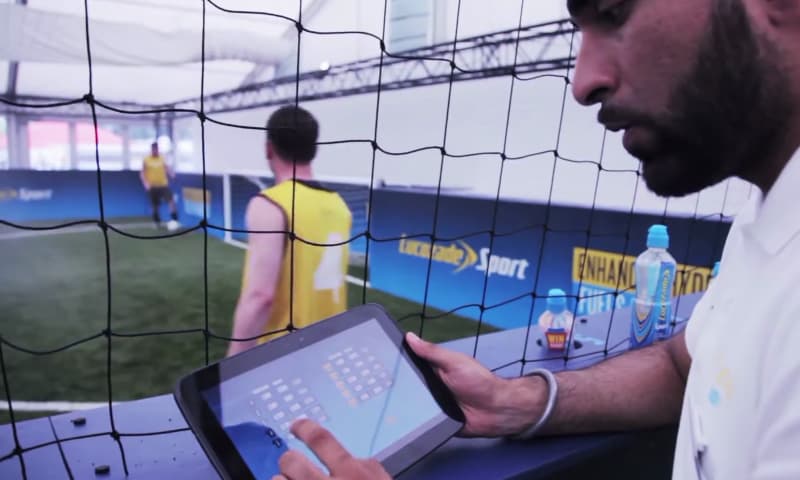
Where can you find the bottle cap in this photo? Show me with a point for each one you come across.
(556, 300)
(657, 237)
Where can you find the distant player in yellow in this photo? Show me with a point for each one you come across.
(155, 177)
(288, 281)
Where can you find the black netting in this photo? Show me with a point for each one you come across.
(363, 230)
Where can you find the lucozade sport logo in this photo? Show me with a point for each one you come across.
(8, 194)
(26, 194)
(458, 254)
(461, 255)
(509, 267)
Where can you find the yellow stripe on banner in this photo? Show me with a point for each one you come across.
(614, 271)
(196, 195)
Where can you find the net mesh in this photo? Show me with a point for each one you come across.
(363, 232)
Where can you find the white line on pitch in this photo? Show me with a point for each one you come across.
(357, 281)
(237, 243)
(349, 278)
(65, 230)
(24, 406)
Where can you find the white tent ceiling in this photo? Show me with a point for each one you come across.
(143, 51)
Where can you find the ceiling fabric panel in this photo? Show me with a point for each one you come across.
(143, 85)
(143, 51)
(27, 34)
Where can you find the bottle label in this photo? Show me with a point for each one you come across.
(556, 338)
(655, 313)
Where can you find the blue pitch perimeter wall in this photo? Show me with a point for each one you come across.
(58, 196)
(400, 266)
(524, 249)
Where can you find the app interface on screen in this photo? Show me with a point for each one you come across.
(355, 383)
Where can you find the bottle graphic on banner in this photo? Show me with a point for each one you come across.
(556, 320)
(654, 274)
(715, 271)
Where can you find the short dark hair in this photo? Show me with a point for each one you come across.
(293, 133)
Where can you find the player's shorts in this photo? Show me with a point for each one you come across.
(157, 194)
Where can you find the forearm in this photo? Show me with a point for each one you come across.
(641, 389)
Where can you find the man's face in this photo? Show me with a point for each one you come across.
(154, 150)
(696, 87)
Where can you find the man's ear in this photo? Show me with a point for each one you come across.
(269, 150)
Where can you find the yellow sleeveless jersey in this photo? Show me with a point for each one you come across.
(155, 171)
(312, 278)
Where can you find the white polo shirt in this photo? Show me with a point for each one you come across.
(741, 409)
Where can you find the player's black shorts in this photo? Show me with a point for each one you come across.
(160, 193)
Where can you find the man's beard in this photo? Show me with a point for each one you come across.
(725, 116)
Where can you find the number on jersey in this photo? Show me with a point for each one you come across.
(329, 275)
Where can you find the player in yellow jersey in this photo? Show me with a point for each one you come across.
(155, 177)
(290, 280)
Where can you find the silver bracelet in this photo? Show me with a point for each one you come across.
(548, 409)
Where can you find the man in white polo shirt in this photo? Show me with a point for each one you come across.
(705, 90)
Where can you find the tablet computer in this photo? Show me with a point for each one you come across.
(352, 373)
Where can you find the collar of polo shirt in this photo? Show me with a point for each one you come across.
(769, 221)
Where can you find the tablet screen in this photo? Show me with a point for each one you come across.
(356, 383)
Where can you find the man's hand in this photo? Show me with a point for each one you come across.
(492, 406)
(343, 466)
(146, 186)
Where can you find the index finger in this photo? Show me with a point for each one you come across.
(322, 443)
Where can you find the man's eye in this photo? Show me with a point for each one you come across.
(613, 12)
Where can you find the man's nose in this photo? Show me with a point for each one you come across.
(595, 72)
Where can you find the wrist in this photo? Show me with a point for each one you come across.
(520, 403)
(551, 396)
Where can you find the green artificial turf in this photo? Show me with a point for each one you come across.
(54, 293)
